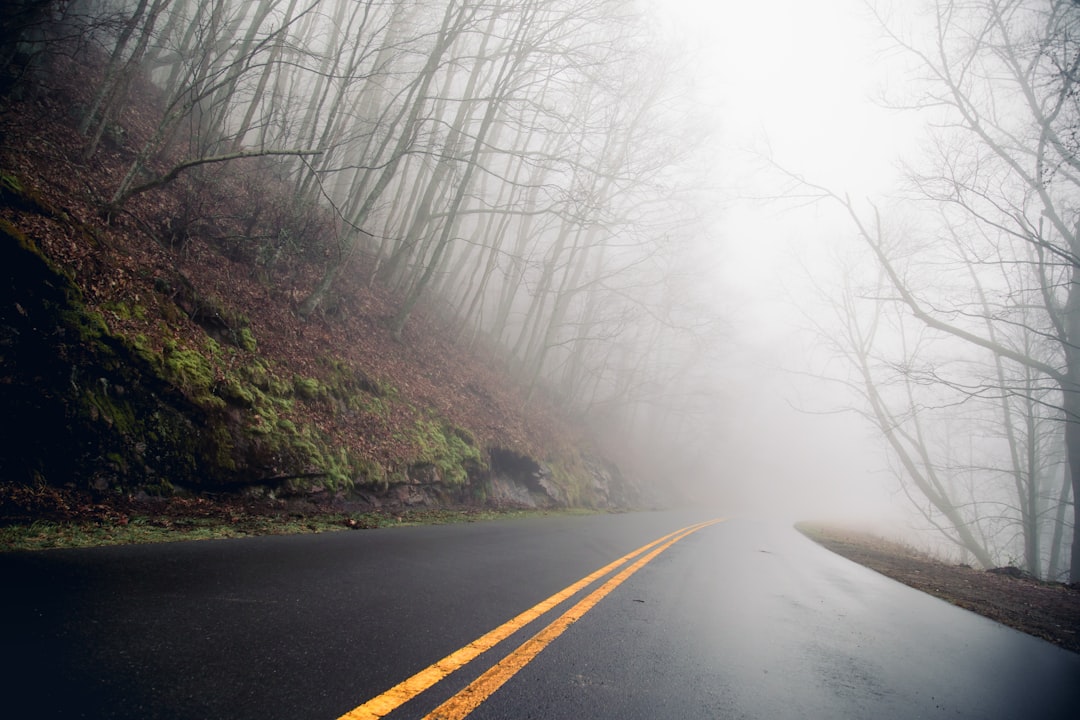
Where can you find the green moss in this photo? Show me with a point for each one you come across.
(119, 310)
(17, 235)
(17, 194)
(192, 372)
(102, 406)
(140, 344)
(259, 374)
(244, 421)
(281, 392)
(161, 488)
(449, 449)
(231, 326)
(123, 311)
(385, 389)
(90, 325)
(371, 472)
(372, 405)
(570, 474)
(247, 340)
(235, 392)
(307, 388)
(346, 384)
(339, 469)
(221, 445)
(118, 460)
(338, 368)
(10, 183)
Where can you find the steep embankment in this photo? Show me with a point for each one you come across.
(157, 350)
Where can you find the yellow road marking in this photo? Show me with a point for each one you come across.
(406, 690)
(460, 705)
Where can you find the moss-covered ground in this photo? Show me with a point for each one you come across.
(45, 518)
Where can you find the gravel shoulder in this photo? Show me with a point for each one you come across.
(1047, 610)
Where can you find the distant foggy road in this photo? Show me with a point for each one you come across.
(738, 619)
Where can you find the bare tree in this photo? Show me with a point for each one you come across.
(1002, 74)
(111, 93)
(210, 77)
(511, 159)
(455, 20)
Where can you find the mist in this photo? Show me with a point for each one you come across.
(843, 204)
(775, 256)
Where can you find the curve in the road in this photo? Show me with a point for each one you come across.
(463, 703)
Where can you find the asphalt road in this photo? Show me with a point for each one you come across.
(741, 619)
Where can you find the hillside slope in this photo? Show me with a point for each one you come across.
(158, 350)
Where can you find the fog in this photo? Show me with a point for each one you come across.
(812, 100)
(803, 259)
(799, 85)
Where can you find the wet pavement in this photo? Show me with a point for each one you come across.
(743, 619)
(751, 620)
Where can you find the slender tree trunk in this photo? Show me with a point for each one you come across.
(1032, 506)
(511, 60)
(575, 365)
(1071, 406)
(1057, 542)
(192, 38)
(407, 134)
(575, 267)
(264, 78)
(113, 92)
(527, 338)
(449, 158)
(1023, 465)
(243, 58)
(116, 58)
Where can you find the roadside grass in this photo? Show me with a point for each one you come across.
(137, 529)
(838, 538)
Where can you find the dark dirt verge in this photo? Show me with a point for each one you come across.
(44, 518)
(1047, 610)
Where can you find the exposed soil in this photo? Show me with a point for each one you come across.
(1047, 610)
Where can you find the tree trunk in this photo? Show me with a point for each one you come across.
(264, 78)
(113, 92)
(407, 134)
(1057, 541)
(111, 70)
(1071, 405)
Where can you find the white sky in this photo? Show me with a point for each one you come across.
(798, 80)
(802, 74)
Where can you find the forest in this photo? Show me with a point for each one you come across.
(384, 244)
(255, 201)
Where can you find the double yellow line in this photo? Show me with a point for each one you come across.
(463, 703)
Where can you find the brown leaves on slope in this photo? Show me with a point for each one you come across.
(197, 230)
